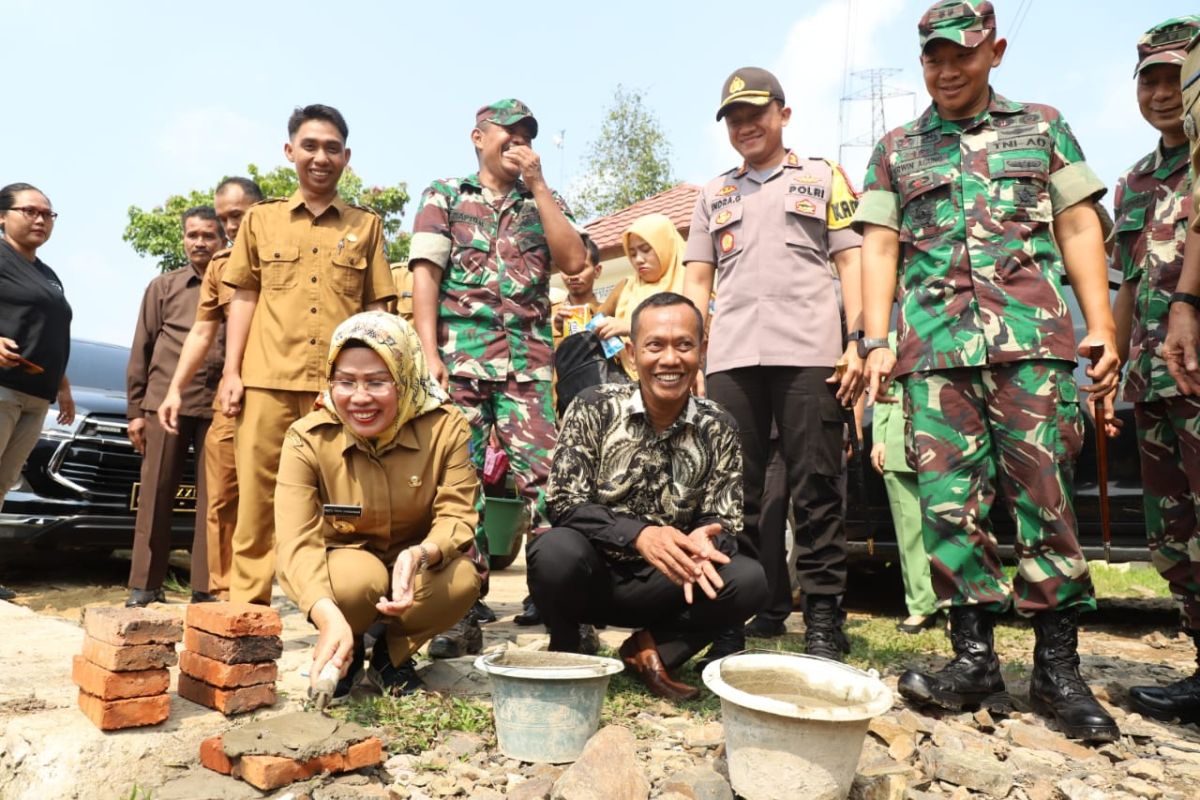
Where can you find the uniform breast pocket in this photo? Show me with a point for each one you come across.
(1020, 185)
(349, 267)
(468, 263)
(805, 215)
(535, 255)
(280, 265)
(725, 227)
(927, 208)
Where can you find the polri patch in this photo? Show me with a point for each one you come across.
(727, 242)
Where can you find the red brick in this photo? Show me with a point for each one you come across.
(227, 701)
(130, 657)
(212, 756)
(121, 626)
(245, 650)
(227, 676)
(366, 753)
(108, 685)
(268, 772)
(111, 715)
(232, 620)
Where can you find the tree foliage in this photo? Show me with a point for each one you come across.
(156, 233)
(629, 161)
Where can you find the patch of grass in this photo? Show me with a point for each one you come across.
(173, 583)
(414, 723)
(1127, 580)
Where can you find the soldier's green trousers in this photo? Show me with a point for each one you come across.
(1011, 430)
(523, 416)
(1169, 443)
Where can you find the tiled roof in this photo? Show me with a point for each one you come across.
(677, 203)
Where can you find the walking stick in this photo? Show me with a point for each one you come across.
(1096, 353)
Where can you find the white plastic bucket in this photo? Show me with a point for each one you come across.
(794, 724)
(546, 705)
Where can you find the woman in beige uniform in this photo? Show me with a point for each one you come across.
(375, 505)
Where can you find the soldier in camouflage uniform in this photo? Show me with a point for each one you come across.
(1152, 204)
(1182, 347)
(962, 200)
(481, 256)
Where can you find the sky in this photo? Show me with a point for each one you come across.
(109, 105)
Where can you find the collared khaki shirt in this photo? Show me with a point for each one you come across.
(215, 294)
(311, 273)
(333, 493)
(167, 313)
(402, 306)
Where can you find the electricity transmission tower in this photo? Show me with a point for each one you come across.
(876, 90)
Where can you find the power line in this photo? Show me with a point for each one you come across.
(1019, 18)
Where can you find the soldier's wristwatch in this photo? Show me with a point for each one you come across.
(1183, 297)
(866, 345)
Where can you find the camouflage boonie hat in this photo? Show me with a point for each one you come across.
(964, 22)
(1167, 42)
(507, 112)
(753, 85)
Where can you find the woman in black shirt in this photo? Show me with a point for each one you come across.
(35, 331)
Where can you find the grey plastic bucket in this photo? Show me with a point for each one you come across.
(546, 705)
(794, 724)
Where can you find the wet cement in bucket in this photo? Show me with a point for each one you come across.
(537, 659)
(787, 686)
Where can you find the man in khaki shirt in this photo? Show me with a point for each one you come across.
(300, 266)
(232, 198)
(402, 277)
(168, 310)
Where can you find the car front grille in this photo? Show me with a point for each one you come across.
(101, 463)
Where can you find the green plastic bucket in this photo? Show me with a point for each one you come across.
(546, 705)
(501, 523)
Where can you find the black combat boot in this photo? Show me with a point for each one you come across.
(1179, 700)
(972, 676)
(1056, 689)
(823, 634)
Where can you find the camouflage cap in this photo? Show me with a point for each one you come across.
(1167, 42)
(752, 85)
(964, 22)
(507, 112)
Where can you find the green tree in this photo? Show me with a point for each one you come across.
(628, 161)
(156, 233)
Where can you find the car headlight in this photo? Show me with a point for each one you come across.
(53, 429)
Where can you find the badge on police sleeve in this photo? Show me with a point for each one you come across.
(727, 242)
(806, 207)
(342, 526)
(723, 217)
(726, 190)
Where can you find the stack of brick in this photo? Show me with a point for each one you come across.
(228, 663)
(123, 673)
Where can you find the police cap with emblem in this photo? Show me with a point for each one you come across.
(1167, 42)
(964, 22)
(752, 85)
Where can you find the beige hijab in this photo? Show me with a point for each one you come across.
(397, 344)
(659, 232)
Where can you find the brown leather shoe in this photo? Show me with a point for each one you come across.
(640, 654)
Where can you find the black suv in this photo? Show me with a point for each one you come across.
(79, 486)
(869, 528)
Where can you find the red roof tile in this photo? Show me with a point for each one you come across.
(678, 202)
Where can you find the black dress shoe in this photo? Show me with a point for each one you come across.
(204, 597)
(483, 612)
(7, 593)
(726, 643)
(140, 598)
(465, 638)
(399, 680)
(529, 614)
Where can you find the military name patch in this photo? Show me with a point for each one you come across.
(723, 201)
(724, 190)
(806, 207)
(459, 216)
(918, 164)
(727, 242)
(723, 217)
(920, 140)
(341, 511)
(1024, 165)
